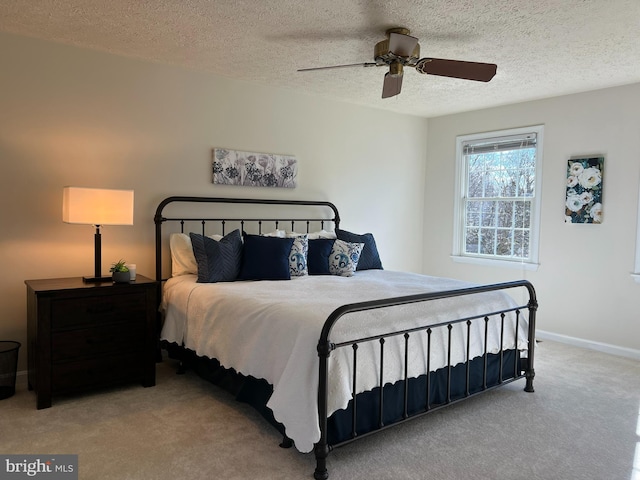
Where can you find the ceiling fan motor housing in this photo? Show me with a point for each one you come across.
(384, 56)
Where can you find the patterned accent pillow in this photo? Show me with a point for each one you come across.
(298, 256)
(344, 257)
(218, 261)
(370, 259)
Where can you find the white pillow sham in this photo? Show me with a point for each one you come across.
(314, 235)
(183, 261)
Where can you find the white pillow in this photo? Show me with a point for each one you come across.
(183, 261)
(275, 233)
(314, 235)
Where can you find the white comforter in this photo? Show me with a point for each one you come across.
(270, 330)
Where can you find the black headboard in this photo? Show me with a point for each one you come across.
(254, 216)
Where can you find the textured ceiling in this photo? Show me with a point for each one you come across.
(542, 48)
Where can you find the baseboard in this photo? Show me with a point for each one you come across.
(589, 344)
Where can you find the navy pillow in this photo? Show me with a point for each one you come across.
(369, 258)
(266, 258)
(217, 261)
(318, 256)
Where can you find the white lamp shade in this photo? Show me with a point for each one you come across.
(97, 206)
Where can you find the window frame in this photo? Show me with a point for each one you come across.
(459, 218)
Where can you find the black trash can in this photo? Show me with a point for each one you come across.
(8, 367)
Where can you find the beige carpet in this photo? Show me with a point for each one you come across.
(581, 423)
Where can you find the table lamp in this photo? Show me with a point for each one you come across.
(98, 207)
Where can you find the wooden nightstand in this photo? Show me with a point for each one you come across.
(89, 335)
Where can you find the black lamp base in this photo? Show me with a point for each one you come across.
(97, 279)
(97, 276)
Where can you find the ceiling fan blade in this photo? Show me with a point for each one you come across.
(366, 64)
(481, 72)
(392, 85)
(402, 45)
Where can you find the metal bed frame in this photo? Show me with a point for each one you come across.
(522, 367)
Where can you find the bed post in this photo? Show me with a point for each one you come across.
(321, 449)
(533, 307)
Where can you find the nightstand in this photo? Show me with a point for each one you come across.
(83, 336)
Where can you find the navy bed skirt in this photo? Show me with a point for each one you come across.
(256, 392)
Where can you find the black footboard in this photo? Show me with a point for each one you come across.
(475, 374)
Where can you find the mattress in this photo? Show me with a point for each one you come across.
(270, 330)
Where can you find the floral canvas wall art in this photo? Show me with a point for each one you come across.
(584, 190)
(231, 167)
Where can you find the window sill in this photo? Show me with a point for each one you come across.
(491, 262)
(636, 277)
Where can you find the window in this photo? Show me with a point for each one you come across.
(498, 197)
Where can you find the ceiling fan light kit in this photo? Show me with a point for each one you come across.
(400, 50)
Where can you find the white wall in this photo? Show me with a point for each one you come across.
(71, 116)
(584, 285)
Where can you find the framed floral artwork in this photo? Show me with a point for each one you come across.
(249, 169)
(584, 190)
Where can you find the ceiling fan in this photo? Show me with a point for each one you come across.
(401, 50)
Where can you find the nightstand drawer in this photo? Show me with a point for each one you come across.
(97, 372)
(110, 339)
(87, 311)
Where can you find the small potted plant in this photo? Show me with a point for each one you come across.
(120, 272)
